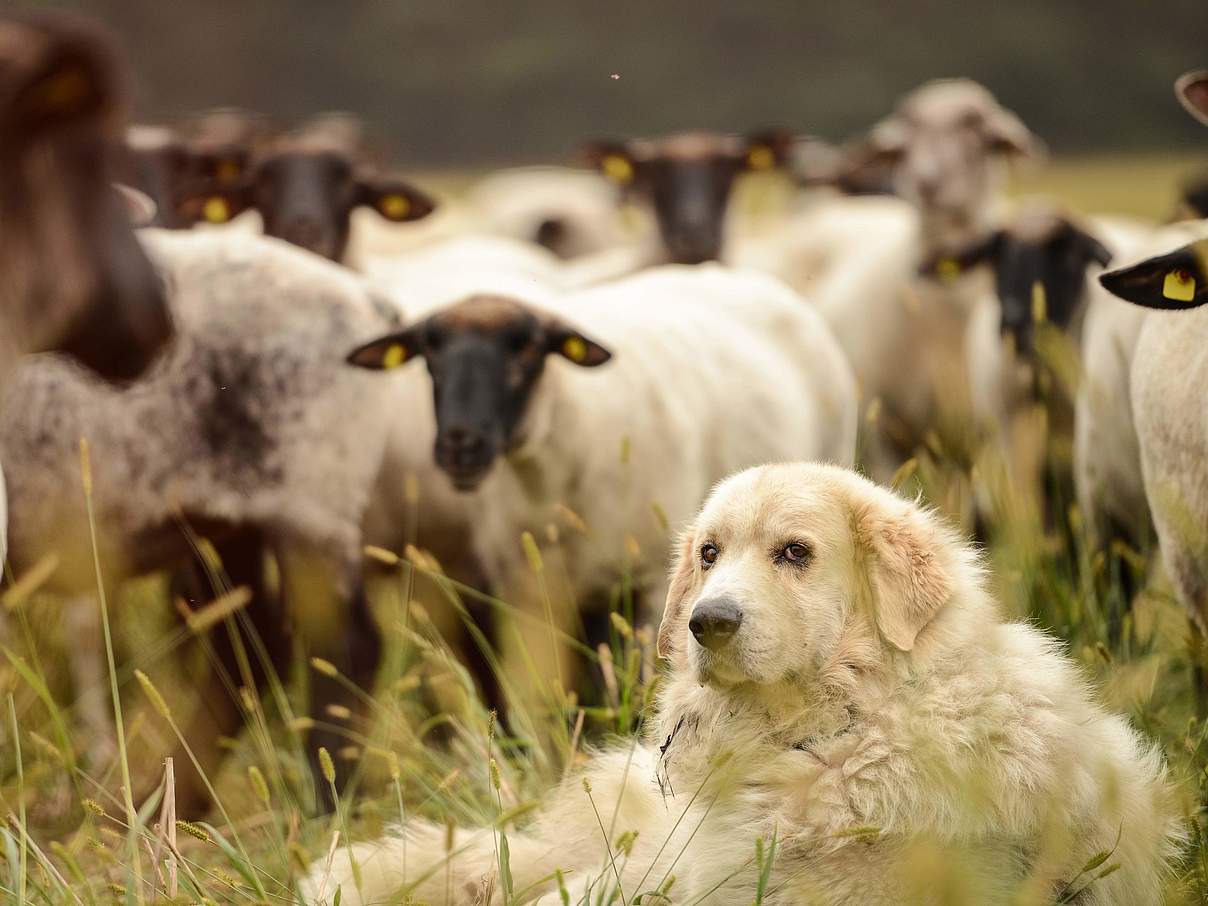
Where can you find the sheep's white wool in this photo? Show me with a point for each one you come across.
(872, 707)
(713, 370)
(1167, 382)
(416, 285)
(1107, 453)
(517, 201)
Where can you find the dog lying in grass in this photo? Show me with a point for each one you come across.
(847, 719)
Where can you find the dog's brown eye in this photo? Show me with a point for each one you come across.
(796, 552)
(708, 553)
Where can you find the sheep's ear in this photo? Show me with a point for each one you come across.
(574, 346)
(1093, 249)
(908, 583)
(1192, 89)
(768, 149)
(670, 641)
(950, 266)
(612, 158)
(73, 84)
(871, 161)
(1176, 281)
(218, 204)
(1005, 133)
(386, 352)
(394, 199)
(138, 205)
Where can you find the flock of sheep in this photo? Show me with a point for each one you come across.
(588, 375)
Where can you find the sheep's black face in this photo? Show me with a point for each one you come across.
(690, 199)
(482, 381)
(1042, 280)
(307, 200)
(306, 197)
(688, 180)
(486, 356)
(1039, 271)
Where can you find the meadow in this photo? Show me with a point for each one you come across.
(432, 749)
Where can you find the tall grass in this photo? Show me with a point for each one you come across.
(429, 748)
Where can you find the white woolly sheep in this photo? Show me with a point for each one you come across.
(1017, 357)
(857, 259)
(1167, 379)
(715, 370)
(250, 432)
(1107, 457)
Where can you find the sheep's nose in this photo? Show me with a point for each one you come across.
(714, 622)
(459, 442)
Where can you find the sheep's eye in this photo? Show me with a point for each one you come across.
(708, 554)
(796, 552)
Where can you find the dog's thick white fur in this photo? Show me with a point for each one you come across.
(872, 714)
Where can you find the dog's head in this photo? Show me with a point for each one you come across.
(787, 566)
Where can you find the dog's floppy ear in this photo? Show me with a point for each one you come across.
(908, 583)
(668, 645)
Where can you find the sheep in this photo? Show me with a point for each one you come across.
(205, 153)
(1168, 415)
(74, 279)
(305, 187)
(1107, 459)
(857, 258)
(1019, 364)
(1108, 469)
(527, 425)
(1166, 372)
(568, 211)
(687, 179)
(415, 502)
(250, 433)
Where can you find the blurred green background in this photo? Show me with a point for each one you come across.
(472, 82)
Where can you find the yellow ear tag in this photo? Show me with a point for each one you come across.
(394, 206)
(1179, 286)
(761, 157)
(574, 349)
(617, 168)
(63, 91)
(1040, 303)
(394, 356)
(216, 210)
(228, 171)
(947, 269)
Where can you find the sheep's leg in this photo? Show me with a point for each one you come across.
(328, 604)
(90, 679)
(219, 712)
(1184, 565)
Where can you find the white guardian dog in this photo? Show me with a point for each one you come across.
(847, 720)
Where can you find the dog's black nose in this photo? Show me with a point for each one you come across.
(714, 622)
